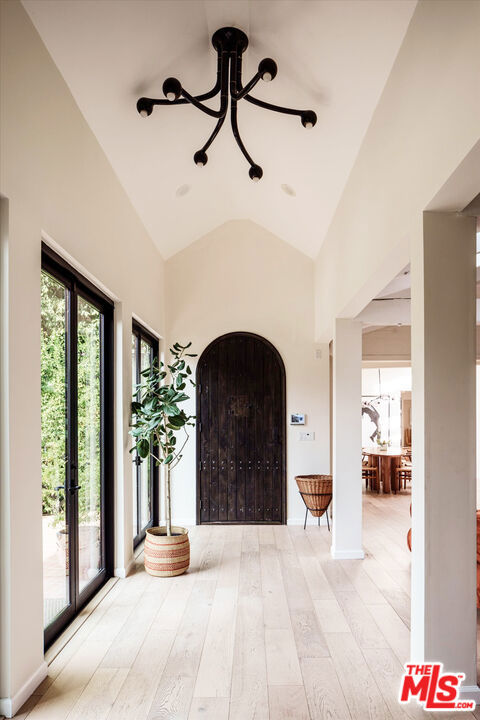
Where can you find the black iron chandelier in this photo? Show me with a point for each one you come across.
(230, 43)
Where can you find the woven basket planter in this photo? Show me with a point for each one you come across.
(316, 491)
(166, 556)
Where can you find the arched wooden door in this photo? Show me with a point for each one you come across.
(241, 432)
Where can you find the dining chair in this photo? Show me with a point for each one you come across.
(370, 475)
(404, 473)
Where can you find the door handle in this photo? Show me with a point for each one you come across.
(74, 488)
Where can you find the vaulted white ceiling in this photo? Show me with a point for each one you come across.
(333, 57)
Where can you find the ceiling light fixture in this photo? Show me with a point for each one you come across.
(230, 44)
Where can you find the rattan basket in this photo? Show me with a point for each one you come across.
(166, 556)
(316, 491)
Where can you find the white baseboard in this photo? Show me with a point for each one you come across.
(347, 554)
(122, 572)
(10, 706)
(470, 692)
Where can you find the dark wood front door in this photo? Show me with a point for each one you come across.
(240, 432)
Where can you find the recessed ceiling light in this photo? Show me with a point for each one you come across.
(288, 190)
(182, 190)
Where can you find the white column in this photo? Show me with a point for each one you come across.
(443, 444)
(347, 440)
(124, 558)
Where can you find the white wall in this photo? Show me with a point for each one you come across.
(241, 277)
(57, 181)
(425, 124)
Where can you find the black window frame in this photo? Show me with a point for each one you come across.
(141, 333)
(78, 285)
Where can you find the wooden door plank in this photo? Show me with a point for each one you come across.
(203, 441)
(239, 385)
(222, 411)
(218, 508)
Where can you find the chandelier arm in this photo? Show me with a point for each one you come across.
(214, 134)
(249, 86)
(235, 75)
(180, 101)
(183, 101)
(236, 134)
(209, 111)
(275, 108)
(223, 69)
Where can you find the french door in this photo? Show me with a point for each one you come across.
(145, 471)
(77, 447)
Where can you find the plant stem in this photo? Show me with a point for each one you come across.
(168, 509)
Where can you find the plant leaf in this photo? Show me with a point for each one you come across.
(143, 447)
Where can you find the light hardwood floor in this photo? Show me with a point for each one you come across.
(265, 625)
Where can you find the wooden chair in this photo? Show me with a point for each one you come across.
(404, 473)
(370, 475)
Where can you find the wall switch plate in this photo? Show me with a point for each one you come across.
(306, 435)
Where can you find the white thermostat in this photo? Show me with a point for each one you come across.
(297, 419)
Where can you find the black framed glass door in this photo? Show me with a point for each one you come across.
(145, 471)
(77, 446)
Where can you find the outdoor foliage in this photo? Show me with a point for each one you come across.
(53, 389)
(54, 403)
(159, 424)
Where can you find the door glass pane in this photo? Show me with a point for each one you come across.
(89, 442)
(56, 596)
(134, 467)
(146, 357)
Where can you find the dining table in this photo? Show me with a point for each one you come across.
(387, 461)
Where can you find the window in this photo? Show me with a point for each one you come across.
(77, 459)
(145, 472)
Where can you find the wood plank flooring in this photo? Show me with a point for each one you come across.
(265, 626)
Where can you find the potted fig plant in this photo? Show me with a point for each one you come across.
(160, 428)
